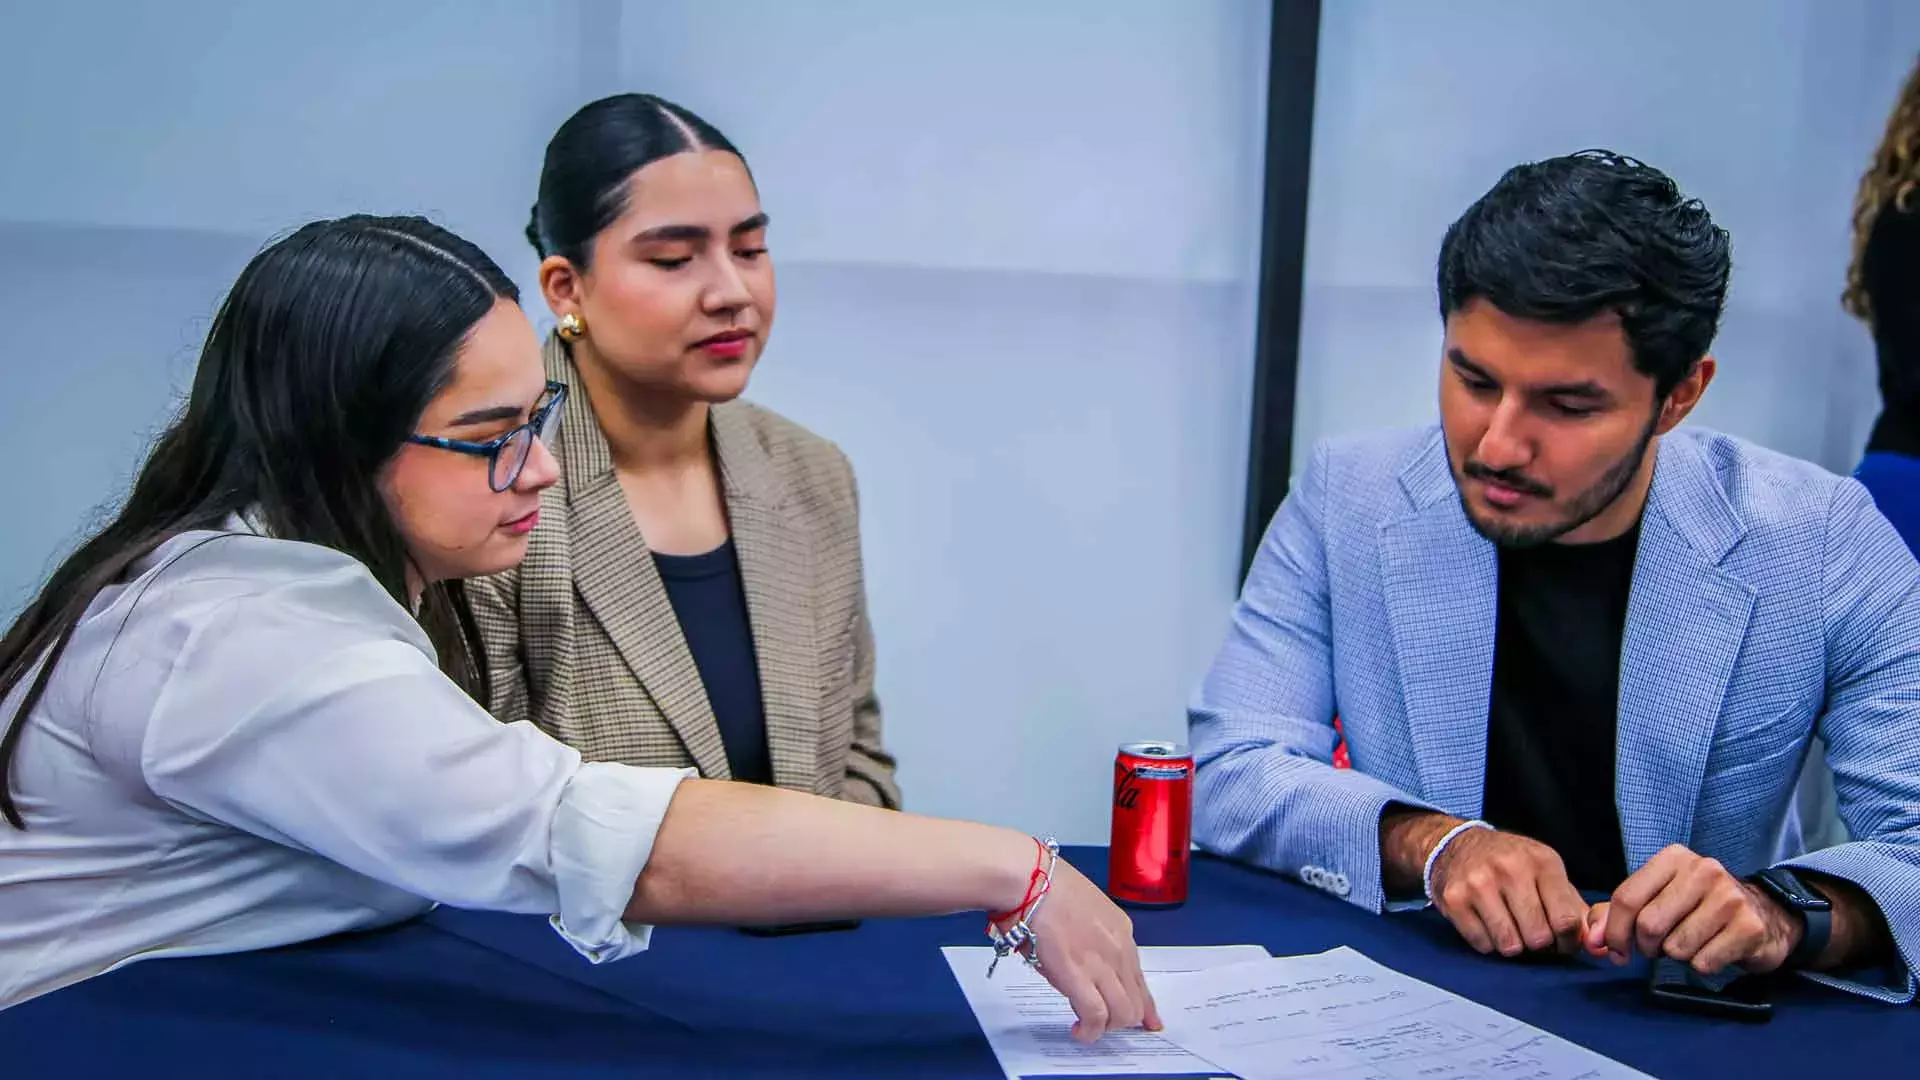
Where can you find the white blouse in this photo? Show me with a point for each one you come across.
(250, 744)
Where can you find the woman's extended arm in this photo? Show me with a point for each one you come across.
(741, 853)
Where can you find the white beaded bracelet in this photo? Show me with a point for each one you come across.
(1426, 873)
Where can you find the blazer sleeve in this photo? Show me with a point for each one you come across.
(496, 612)
(1261, 725)
(869, 777)
(1871, 728)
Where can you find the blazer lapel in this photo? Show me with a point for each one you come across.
(776, 569)
(1686, 620)
(1440, 589)
(614, 572)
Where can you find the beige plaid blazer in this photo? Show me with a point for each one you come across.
(581, 639)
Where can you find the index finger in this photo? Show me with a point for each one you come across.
(1150, 1012)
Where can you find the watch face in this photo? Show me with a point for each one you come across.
(1787, 885)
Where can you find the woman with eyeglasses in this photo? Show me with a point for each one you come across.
(694, 594)
(239, 715)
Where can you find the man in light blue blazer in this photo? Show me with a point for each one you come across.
(1571, 647)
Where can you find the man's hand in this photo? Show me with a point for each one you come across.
(1503, 892)
(1507, 893)
(1690, 908)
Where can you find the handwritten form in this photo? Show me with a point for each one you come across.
(1338, 1015)
(1026, 1020)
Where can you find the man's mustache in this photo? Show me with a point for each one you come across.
(1507, 478)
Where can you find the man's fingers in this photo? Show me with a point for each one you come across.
(1457, 906)
(1529, 915)
(1685, 893)
(1635, 893)
(1618, 936)
(1659, 918)
(1732, 945)
(1566, 912)
(1508, 894)
(1729, 931)
(1700, 926)
(1502, 934)
(1594, 935)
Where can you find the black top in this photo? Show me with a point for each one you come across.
(711, 603)
(1554, 710)
(1890, 274)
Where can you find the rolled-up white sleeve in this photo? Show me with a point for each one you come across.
(603, 834)
(318, 719)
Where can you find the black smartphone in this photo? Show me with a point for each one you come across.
(789, 929)
(1730, 995)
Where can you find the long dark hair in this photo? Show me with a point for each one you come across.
(583, 180)
(318, 365)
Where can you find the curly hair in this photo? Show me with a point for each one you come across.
(1889, 181)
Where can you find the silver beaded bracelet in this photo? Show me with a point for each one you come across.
(1021, 937)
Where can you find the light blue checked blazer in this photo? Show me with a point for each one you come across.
(1771, 602)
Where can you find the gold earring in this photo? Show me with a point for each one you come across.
(571, 327)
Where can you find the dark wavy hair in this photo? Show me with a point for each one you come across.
(1570, 238)
(583, 180)
(317, 367)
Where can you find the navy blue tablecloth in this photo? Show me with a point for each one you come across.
(468, 994)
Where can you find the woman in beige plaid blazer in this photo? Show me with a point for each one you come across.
(622, 632)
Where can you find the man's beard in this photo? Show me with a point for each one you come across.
(1590, 503)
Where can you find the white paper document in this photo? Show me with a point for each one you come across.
(1338, 1015)
(1027, 1021)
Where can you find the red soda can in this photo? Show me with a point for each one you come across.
(1149, 856)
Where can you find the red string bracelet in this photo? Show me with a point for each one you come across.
(1020, 937)
(1033, 889)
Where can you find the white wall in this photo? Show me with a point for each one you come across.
(249, 119)
(1016, 247)
(1096, 137)
(133, 192)
(1766, 109)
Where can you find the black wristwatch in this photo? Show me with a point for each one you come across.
(1790, 892)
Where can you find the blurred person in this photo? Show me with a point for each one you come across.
(238, 716)
(1575, 648)
(1883, 291)
(694, 594)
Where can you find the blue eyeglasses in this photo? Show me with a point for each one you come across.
(507, 454)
